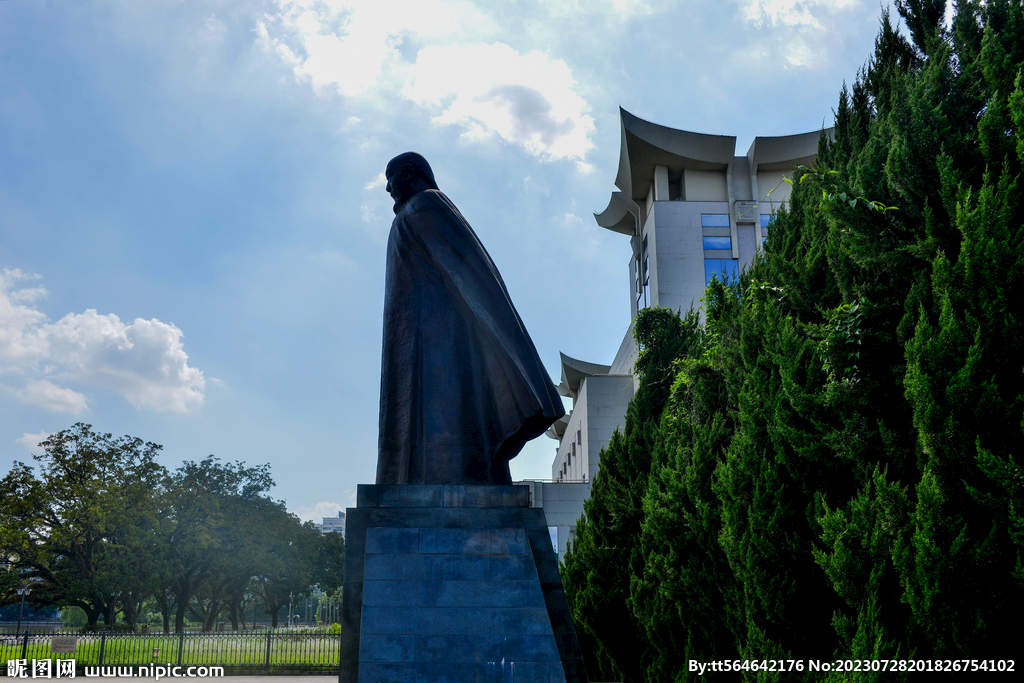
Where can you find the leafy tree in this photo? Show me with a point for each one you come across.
(69, 530)
(210, 533)
(288, 566)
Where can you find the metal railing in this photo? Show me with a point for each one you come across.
(263, 650)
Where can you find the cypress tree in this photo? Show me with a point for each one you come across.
(605, 551)
(831, 468)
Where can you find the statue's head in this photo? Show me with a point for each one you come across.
(408, 174)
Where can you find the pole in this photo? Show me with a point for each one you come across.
(23, 591)
(268, 651)
(113, 600)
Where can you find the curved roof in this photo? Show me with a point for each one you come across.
(644, 145)
(556, 430)
(622, 215)
(783, 152)
(574, 371)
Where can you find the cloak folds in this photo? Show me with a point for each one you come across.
(462, 387)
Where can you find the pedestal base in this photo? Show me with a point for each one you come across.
(447, 583)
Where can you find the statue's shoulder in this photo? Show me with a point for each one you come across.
(428, 201)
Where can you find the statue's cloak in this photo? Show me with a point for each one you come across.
(462, 386)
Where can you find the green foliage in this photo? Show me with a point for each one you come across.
(833, 467)
(605, 550)
(106, 531)
(73, 617)
(75, 531)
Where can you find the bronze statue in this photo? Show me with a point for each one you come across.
(462, 388)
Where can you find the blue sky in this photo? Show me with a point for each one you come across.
(193, 215)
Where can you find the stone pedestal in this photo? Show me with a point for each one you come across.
(453, 583)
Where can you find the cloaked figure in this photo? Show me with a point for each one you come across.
(462, 386)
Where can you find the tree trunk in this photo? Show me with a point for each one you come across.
(164, 600)
(179, 616)
(92, 612)
(273, 610)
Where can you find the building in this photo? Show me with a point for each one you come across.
(332, 524)
(692, 209)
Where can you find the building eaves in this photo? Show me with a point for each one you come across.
(644, 145)
(622, 215)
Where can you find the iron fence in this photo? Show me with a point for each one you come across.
(267, 650)
(59, 627)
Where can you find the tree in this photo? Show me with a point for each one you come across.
(835, 471)
(70, 530)
(211, 527)
(289, 563)
(605, 552)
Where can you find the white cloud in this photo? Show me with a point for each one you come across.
(318, 511)
(46, 394)
(378, 183)
(32, 441)
(18, 317)
(347, 44)
(144, 361)
(578, 234)
(350, 123)
(354, 47)
(800, 55)
(803, 33)
(791, 12)
(491, 89)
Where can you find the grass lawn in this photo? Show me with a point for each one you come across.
(301, 650)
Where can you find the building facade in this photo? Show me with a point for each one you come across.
(332, 525)
(692, 210)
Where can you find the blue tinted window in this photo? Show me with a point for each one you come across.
(717, 242)
(766, 220)
(714, 220)
(725, 268)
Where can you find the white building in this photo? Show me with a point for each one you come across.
(332, 524)
(691, 209)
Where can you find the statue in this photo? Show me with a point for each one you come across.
(462, 389)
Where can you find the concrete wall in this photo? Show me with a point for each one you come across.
(608, 397)
(748, 243)
(563, 506)
(705, 186)
(566, 466)
(773, 180)
(597, 412)
(625, 357)
(676, 229)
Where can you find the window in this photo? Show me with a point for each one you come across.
(717, 242)
(638, 288)
(643, 291)
(579, 436)
(726, 269)
(766, 220)
(714, 220)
